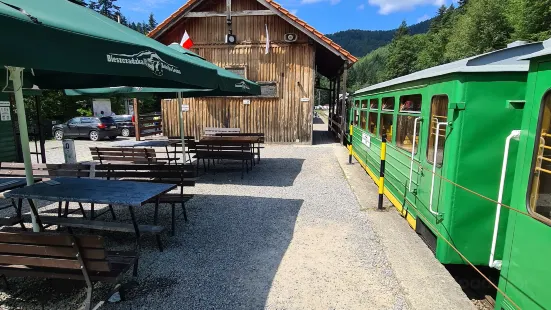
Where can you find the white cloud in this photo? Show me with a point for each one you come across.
(423, 18)
(333, 2)
(361, 7)
(294, 11)
(390, 6)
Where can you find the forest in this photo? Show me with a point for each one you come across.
(473, 27)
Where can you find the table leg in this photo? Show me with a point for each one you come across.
(35, 212)
(18, 211)
(66, 208)
(135, 223)
(155, 220)
(91, 211)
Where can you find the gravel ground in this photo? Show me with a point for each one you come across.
(288, 236)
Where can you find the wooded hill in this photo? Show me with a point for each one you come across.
(474, 27)
(361, 42)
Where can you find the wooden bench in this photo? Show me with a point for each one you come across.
(44, 172)
(228, 150)
(211, 131)
(249, 134)
(190, 145)
(127, 155)
(181, 175)
(64, 256)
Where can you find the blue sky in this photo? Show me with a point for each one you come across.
(327, 16)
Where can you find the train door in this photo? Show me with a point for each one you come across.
(526, 275)
(428, 191)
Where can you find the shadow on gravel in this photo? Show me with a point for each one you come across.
(278, 172)
(225, 257)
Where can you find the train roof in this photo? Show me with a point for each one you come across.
(546, 51)
(504, 60)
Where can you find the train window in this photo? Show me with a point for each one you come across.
(364, 104)
(385, 126)
(438, 114)
(363, 119)
(540, 192)
(411, 104)
(357, 103)
(374, 104)
(355, 120)
(388, 104)
(404, 133)
(372, 122)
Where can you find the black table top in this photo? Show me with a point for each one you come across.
(149, 143)
(11, 183)
(126, 193)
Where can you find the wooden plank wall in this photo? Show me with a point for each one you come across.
(292, 65)
(284, 119)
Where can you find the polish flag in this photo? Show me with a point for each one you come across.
(186, 41)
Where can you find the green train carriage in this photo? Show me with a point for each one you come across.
(525, 276)
(464, 110)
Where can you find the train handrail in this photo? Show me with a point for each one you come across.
(515, 134)
(438, 124)
(417, 119)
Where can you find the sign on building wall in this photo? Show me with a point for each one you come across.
(5, 114)
(366, 139)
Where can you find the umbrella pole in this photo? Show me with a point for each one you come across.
(182, 133)
(17, 78)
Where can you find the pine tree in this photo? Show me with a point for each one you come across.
(401, 31)
(152, 22)
(462, 3)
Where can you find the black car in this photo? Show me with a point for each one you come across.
(125, 125)
(94, 128)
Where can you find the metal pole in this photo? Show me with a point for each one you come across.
(182, 131)
(16, 75)
(382, 173)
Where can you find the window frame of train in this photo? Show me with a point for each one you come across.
(410, 113)
(531, 201)
(373, 112)
(363, 113)
(387, 109)
(355, 112)
(430, 142)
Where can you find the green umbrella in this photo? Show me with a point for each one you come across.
(69, 46)
(61, 44)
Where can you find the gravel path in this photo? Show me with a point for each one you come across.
(288, 236)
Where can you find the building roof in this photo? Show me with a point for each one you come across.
(279, 10)
(504, 60)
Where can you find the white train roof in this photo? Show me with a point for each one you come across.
(510, 59)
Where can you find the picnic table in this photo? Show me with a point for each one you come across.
(240, 139)
(84, 190)
(7, 184)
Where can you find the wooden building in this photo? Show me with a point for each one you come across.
(286, 70)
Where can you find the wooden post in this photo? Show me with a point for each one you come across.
(329, 113)
(336, 103)
(343, 102)
(137, 119)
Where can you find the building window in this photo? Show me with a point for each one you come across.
(363, 119)
(410, 108)
(385, 125)
(438, 114)
(364, 104)
(239, 70)
(540, 188)
(268, 89)
(388, 104)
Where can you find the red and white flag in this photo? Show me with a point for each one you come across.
(186, 41)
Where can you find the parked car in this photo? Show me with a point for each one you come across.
(94, 128)
(125, 124)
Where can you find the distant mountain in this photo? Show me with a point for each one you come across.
(361, 42)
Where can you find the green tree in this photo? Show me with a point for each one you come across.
(483, 28)
(401, 31)
(152, 23)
